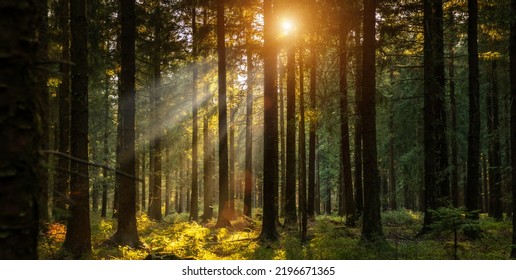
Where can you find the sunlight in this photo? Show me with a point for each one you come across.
(287, 26)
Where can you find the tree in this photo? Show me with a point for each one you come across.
(372, 230)
(346, 189)
(78, 233)
(290, 184)
(127, 234)
(63, 177)
(194, 207)
(20, 160)
(512, 74)
(302, 152)
(248, 188)
(359, 194)
(270, 127)
(435, 145)
(156, 133)
(473, 176)
(223, 216)
(312, 133)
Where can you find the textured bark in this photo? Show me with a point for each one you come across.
(494, 154)
(372, 229)
(156, 135)
(454, 177)
(78, 233)
(312, 134)
(20, 161)
(208, 171)
(346, 188)
(270, 127)
(127, 234)
(223, 215)
(290, 183)
(63, 178)
(105, 150)
(194, 207)
(473, 176)
(359, 186)
(302, 153)
(249, 128)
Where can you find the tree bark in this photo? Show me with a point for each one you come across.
(194, 207)
(512, 74)
(270, 126)
(359, 186)
(249, 128)
(473, 170)
(290, 184)
(494, 154)
(223, 219)
(312, 134)
(372, 229)
(78, 233)
(302, 152)
(21, 131)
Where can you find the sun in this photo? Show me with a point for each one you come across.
(287, 26)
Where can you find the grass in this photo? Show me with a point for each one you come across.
(329, 238)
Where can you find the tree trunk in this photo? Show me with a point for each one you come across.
(454, 177)
(232, 185)
(21, 131)
(270, 126)
(392, 168)
(78, 233)
(359, 186)
(312, 134)
(473, 175)
(302, 152)
(290, 184)
(208, 170)
(372, 228)
(345, 155)
(63, 176)
(223, 219)
(156, 135)
(495, 161)
(127, 234)
(143, 175)
(194, 207)
(249, 128)
(105, 150)
(282, 174)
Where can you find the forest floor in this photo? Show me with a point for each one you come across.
(329, 238)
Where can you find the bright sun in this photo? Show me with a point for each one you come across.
(287, 26)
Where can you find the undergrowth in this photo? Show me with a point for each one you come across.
(329, 238)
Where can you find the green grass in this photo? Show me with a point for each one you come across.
(329, 238)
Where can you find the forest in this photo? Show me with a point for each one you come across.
(258, 129)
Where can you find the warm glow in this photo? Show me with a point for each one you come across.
(287, 26)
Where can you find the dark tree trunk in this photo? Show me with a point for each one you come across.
(282, 174)
(45, 107)
(494, 155)
(454, 177)
(249, 128)
(21, 131)
(302, 152)
(346, 188)
(143, 176)
(232, 185)
(167, 182)
(208, 170)
(359, 186)
(372, 229)
(105, 150)
(473, 175)
(270, 127)
(290, 184)
(127, 234)
(194, 207)
(312, 134)
(435, 147)
(512, 74)
(156, 135)
(78, 233)
(223, 219)
(327, 201)
(63, 176)
(392, 168)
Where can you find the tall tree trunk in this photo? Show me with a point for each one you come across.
(208, 170)
(78, 233)
(21, 131)
(127, 234)
(473, 175)
(346, 188)
(168, 182)
(392, 168)
(290, 184)
(512, 74)
(359, 186)
(249, 128)
(105, 150)
(454, 177)
(372, 230)
(232, 185)
(435, 147)
(223, 219)
(494, 155)
(270, 126)
(282, 174)
(194, 207)
(63, 176)
(156, 134)
(302, 152)
(312, 133)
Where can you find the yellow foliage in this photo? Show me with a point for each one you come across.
(56, 232)
(489, 56)
(53, 82)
